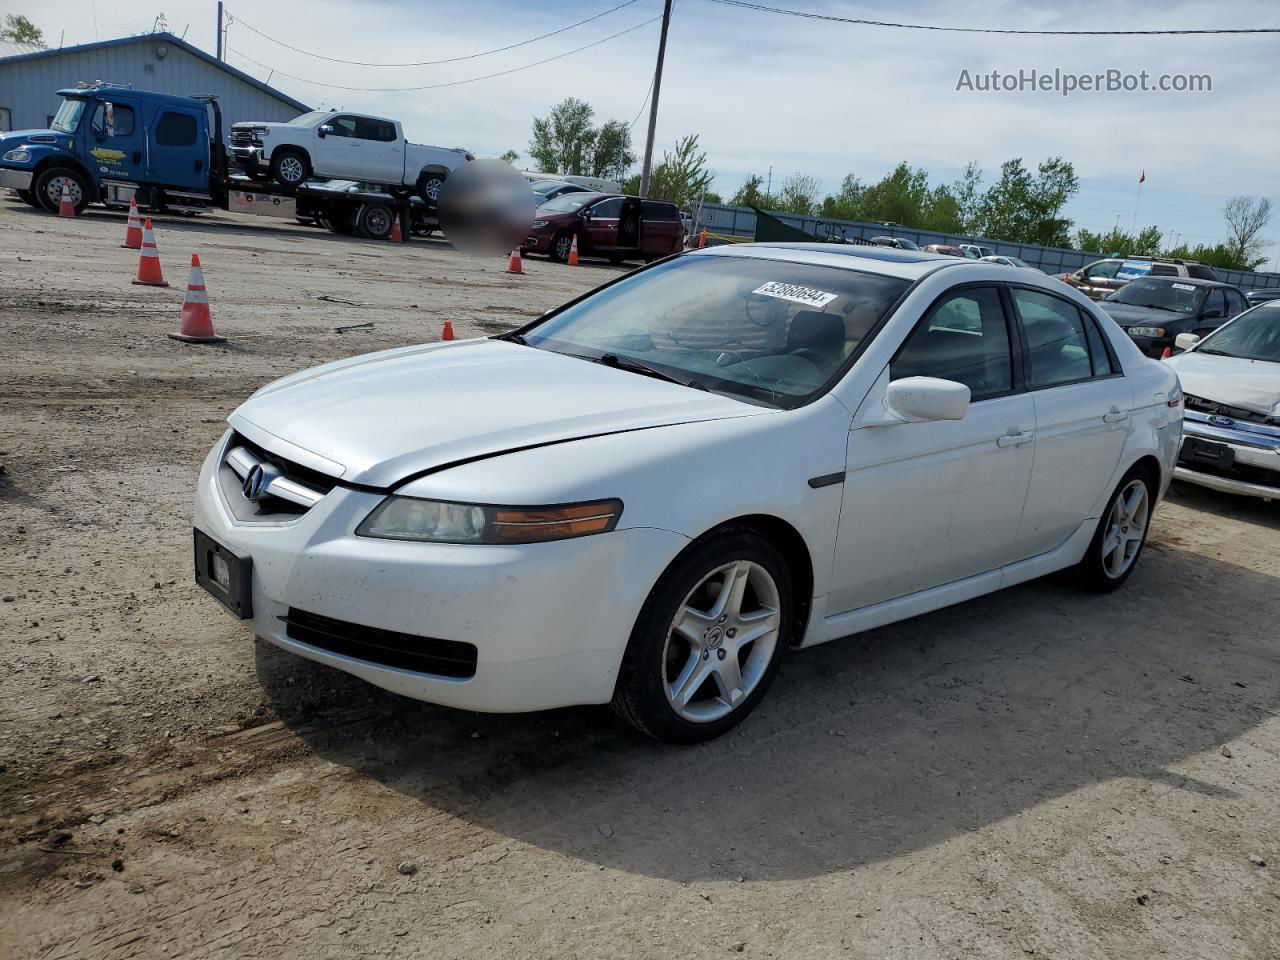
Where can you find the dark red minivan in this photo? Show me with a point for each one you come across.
(606, 225)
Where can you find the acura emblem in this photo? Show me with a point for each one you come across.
(257, 481)
(1222, 421)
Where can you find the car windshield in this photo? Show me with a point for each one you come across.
(307, 118)
(1254, 335)
(1160, 294)
(767, 331)
(68, 116)
(546, 186)
(566, 203)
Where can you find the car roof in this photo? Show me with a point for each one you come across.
(889, 261)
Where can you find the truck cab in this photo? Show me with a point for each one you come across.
(105, 142)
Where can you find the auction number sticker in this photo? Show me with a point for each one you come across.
(795, 293)
(1184, 286)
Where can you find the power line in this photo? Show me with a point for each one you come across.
(452, 83)
(643, 104)
(807, 15)
(431, 63)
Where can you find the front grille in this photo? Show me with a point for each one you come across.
(242, 138)
(442, 658)
(1201, 405)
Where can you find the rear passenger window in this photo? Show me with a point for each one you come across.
(175, 130)
(965, 338)
(1163, 270)
(657, 210)
(380, 130)
(1100, 359)
(1056, 340)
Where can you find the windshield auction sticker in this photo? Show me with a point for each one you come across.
(1183, 286)
(795, 293)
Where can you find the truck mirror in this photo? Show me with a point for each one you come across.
(324, 130)
(109, 109)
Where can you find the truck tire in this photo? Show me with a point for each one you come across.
(339, 219)
(290, 167)
(48, 188)
(376, 221)
(429, 186)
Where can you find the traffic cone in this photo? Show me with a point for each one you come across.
(573, 252)
(396, 235)
(133, 232)
(149, 273)
(197, 323)
(702, 238)
(65, 207)
(514, 263)
(1168, 352)
(447, 332)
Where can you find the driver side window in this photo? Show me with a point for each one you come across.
(343, 126)
(964, 337)
(607, 208)
(1106, 270)
(121, 125)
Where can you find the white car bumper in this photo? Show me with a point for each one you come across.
(549, 622)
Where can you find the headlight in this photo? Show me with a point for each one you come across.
(539, 223)
(260, 131)
(18, 156)
(439, 521)
(1147, 331)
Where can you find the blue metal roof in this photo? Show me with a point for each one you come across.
(177, 42)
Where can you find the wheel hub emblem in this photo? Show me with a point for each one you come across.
(714, 637)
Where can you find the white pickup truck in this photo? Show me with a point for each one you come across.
(347, 146)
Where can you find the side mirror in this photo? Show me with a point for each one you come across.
(1185, 341)
(585, 215)
(324, 130)
(918, 399)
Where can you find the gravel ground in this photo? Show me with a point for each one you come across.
(1038, 772)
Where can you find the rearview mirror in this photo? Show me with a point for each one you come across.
(324, 130)
(1185, 341)
(918, 399)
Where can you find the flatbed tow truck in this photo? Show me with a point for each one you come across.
(111, 144)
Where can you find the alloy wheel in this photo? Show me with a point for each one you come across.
(292, 170)
(721, 641)
(1126, 527)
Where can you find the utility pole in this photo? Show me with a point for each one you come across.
(219, 29)
(653, 104)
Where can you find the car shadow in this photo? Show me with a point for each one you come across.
(1230, 505)
(865, 749)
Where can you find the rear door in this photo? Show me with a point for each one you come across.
(663, 229)
(1083, 403)
(383, 151)
(178, 148)
(114, 143)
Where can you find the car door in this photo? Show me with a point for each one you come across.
(1213, 312)
(1083, 404)
(600, 225)
(1235, 302)
(930, 503)
(177, 153)
(1100, 279)
(383, 152)
(338, 153)
(663, 230)
(115, 141)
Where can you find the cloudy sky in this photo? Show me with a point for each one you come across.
(796, 95)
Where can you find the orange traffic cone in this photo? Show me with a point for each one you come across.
(149, 273)
(514, 263)
(65, 207)
(197, 323)
(1168, 352)
(447, 333)
(133, 232)
(573, 252)
(396, 235)
(702, 238)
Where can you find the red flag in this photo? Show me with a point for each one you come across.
(1143, 178)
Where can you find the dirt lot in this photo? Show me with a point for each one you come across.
(1034, 773)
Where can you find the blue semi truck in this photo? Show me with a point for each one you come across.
(109, 144)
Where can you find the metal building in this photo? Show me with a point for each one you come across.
(161, 62)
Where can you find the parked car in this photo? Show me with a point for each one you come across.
(611, 226)
(344, 146)
(1154, 310)
(976, 251)
(946, 248)
(901, 243)
(1262, 295)
(546, 190)
(598, 184)
(1101, 277)
(1232, 384)
(1010, 262)
(651, 494)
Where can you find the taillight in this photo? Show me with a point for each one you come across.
(1175, 398)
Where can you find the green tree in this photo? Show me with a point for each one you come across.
(21, 30)
(967, 192)
(564, 140)
(847, 204)
(1246, 218)
(750, 193)
(510, 156)
(1146, 243)
(611, 155)
(682, 177)
(798, 194)
(1022, 207)
(901, 197)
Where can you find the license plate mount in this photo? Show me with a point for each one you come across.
(226, 575)
(1207, 453)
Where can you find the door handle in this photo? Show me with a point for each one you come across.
(1115, 415)
(137, 156)
(1015, 439)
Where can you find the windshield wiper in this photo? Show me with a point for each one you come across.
(513, 337)
(1215, 353)
(642, 368)
(1156, 306)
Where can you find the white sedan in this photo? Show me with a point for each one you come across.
(651, 494)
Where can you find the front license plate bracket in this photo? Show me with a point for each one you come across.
(224, 574)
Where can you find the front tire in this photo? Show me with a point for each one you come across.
(709, 639)
(48, 189)
(290, 168)
(1122, 532)
(560, 245)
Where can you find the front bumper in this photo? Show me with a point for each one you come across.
(1255, 469)
(549, 621)
(16, 179)
(250, 158)
(536, 242)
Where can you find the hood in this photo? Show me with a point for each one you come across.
(1251, 384)
(385, 416)
(48, 137)
(1128, 315)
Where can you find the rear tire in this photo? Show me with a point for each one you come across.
(1122, 533)
(48, 189)
(290, 168)
(709, 639)
(429, 187)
